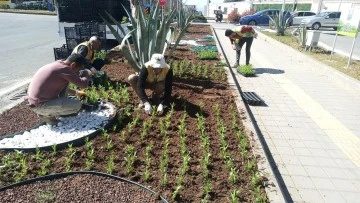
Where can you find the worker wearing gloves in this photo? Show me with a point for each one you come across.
(49, 88)
(157, 76)
(87, 50)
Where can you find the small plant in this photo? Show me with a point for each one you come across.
(207, 55)
(110, 164)
(53, 147)
(38, 156)
(246, 70)
(250, 165)
(130, 158)
(234, 196)
(176, 192)
(233, 175)
(100, 55)
(147, 162)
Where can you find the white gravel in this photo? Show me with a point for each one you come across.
(69, 128)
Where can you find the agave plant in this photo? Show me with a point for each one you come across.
(279, 22)
(183, 23)
(151, 34)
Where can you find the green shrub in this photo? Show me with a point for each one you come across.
(246, 70)
(100, 55)
(207, 55)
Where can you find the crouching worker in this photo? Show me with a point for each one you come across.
(156, 76)
(49, 88)
(87, 50)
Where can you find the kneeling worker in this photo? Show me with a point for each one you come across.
(87, 50)
(49, 88)
(157, 76)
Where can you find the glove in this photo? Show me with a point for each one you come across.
(80, 93)
(147, 108)
(160, 109)
(93, 71)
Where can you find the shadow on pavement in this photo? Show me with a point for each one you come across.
(268, 70)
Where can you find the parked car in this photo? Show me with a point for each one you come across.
(298, 16)
(323, 19)
(262, 17)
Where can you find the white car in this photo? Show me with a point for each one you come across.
(298, 16)
(323, 19)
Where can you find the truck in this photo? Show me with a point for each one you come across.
(71, 12)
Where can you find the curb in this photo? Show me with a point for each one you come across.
(25, 12)
(9, 93)
(273, 190)
(329, 48)
(334, 75)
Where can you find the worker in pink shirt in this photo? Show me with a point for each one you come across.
(49, 88)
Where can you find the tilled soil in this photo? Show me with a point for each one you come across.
(93, 188)
(195, 92)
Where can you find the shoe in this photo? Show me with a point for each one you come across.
(51, 120)
(235, 65)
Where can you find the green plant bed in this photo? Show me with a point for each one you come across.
(204, 48)
(207, 55)
(246, 70)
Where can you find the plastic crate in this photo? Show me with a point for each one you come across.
(62, 52)
(72, 43)
(70, 33)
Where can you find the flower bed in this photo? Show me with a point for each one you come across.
(196, 152)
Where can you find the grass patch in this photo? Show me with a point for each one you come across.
(246, 70)
(37, 12)
(203, 55)
(338, 62)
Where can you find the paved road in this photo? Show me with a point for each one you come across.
(26, 43)
(343, 43)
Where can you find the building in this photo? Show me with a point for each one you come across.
(316, 5)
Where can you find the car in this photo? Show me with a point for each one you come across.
(324, 19)
(298, 16)
(262, 17)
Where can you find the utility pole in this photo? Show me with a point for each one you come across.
(207, 6)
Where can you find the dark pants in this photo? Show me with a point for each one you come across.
(248, 41)
(98, 64)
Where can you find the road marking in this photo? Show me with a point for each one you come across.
(335, 129)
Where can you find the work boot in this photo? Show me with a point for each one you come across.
(51, 120)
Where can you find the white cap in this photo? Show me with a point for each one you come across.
(157, 61)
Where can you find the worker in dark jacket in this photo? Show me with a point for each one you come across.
(156, 76)
(87, 50)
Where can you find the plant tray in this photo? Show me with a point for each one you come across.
(252, 98)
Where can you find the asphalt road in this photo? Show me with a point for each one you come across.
(343, 43)
(27, 43)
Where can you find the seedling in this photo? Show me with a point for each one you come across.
(130, 158)
(53, 147)
(233, 177)
(110, 164)
(234, 196)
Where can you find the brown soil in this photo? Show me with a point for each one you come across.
(195, 91)
(93, 188)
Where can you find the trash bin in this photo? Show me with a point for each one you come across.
(312, 38)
